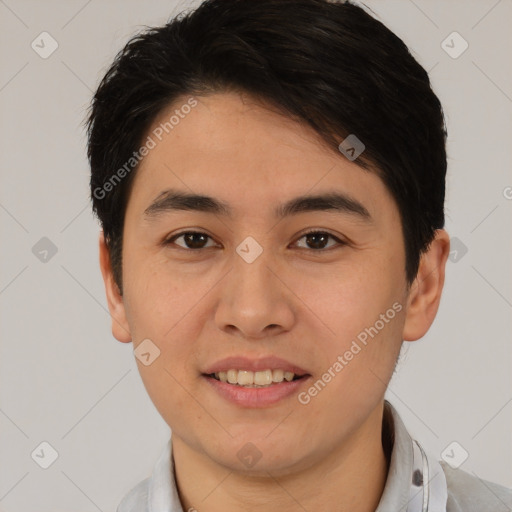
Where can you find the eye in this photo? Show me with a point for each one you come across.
(193, 240)
(318, 239)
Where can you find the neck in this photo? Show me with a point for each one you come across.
(352, 478)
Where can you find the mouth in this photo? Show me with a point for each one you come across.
(255, 380)
(255, 389)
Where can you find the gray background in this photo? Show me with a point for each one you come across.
(65, 379)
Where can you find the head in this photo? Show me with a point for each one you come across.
(243, 105)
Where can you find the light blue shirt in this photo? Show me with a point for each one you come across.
(416, 482)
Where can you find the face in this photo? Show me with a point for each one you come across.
(248, 282)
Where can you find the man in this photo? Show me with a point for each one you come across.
(270, 180)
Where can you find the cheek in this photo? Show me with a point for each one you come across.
(158, 297)
(361, 320)
(347, 302)
(166, 388)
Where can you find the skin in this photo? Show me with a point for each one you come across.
(294, 301)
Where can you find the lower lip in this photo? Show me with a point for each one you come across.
(256, 397)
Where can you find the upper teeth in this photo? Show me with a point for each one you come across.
(248, 378)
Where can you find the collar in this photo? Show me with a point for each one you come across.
(415, 481)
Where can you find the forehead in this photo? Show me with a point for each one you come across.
(232, 146)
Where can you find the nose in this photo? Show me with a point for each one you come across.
(254, 300)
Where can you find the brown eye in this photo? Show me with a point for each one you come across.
(193, 240)
(317, 240)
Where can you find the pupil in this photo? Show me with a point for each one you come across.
(317, 235)
(190, 238)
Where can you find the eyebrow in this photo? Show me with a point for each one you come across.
(174, 200)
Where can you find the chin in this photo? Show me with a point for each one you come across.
(258, 458)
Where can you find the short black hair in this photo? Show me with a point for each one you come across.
(326, 63)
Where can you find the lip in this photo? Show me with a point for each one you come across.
(256, 397)
(254, 365)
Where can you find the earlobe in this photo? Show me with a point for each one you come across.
(120, 327)
(425, 294)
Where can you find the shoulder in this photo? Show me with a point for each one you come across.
(137, 499)
(468, 493)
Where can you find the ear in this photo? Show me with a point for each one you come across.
(425, 293)
(120, 327)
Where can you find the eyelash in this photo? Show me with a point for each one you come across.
(171, 240)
